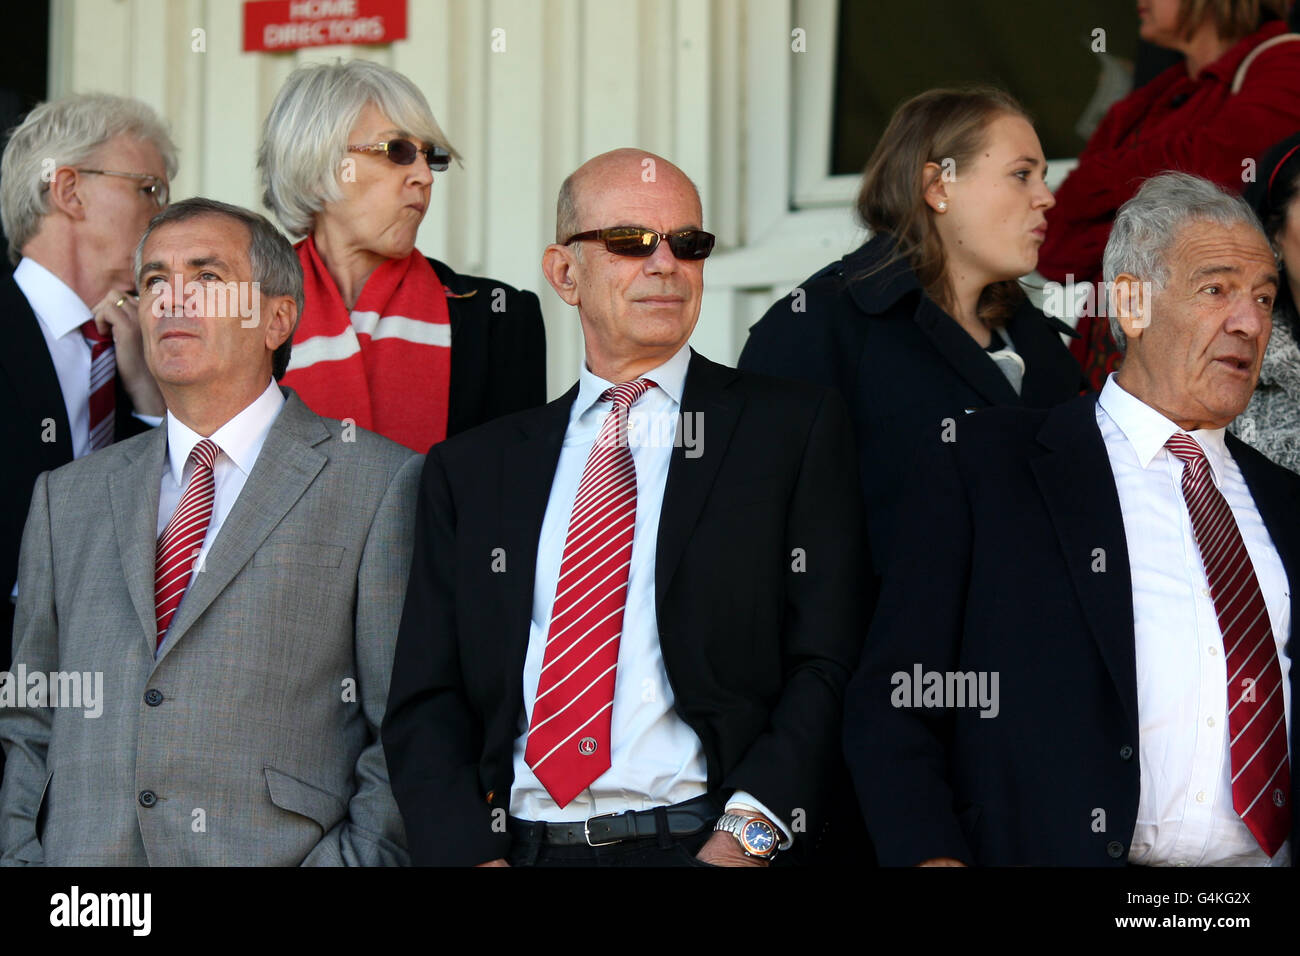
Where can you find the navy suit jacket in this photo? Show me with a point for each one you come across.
(1014, 561)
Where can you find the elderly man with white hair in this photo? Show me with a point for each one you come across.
(1120, 572)
(396, 342)
(80, 179)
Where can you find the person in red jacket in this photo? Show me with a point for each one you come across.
(1214, 115)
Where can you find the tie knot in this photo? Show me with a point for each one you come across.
(91, 333)
(626, 393)
(205, 453)
(1186, 447)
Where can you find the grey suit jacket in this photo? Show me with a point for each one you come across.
(254, 736)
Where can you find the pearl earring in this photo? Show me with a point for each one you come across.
(943, 207)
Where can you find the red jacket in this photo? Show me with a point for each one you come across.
(1210, 133)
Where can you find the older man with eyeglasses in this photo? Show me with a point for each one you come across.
(623, 643)
(79, 181)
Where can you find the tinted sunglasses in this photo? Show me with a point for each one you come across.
(403, 153)
(639, 242)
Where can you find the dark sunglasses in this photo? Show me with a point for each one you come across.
(403, 153)
(639, 242)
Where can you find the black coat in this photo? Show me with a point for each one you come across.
(498, 349)
(757, 647)
(999, 573)
(902, 364)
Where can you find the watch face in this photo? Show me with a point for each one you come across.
(758, 837)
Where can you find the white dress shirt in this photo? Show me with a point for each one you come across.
(656, 759)
(60, 314)
(240, 441)
(1185, 812)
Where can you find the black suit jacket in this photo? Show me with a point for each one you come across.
(498, 349)
(902, 364)
(33, 411)
(1014, 561)
(757, 644)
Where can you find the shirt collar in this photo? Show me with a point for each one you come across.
(670, 377)
(54, 303)
(1147, 430)
(240, 439)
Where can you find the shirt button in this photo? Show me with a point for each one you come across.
(1181, 863)
(1200, 796)
(1209, 721)
(1205, 592)
(1214, 651)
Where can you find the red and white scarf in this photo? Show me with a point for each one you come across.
(387, 364)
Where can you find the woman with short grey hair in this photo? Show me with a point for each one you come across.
(395, 342)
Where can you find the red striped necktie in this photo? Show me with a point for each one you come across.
(569, 737)
(103, 376)
(182, 539)
(1261, 770)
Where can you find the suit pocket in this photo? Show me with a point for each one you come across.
(315, 555)
(42, 808)
(295, 796)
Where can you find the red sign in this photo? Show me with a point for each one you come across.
(274, 25)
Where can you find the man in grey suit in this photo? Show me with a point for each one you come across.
(207, 613)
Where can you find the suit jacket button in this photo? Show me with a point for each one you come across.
(1115, 849)
(153, 697)
(1125, 752)
(148, 798)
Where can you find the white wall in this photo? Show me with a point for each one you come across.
(710, 84)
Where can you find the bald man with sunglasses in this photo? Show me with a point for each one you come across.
(631, 612)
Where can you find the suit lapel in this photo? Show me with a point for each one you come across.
(286, 466)
(26, 360)
(528, 471)
(689, 479)
(1078, 487)
(133, 491)
(1278, 501)
(964, 354)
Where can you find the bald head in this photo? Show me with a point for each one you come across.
(617, 170)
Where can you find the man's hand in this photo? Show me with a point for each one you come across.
(496, 862)
(723, 849)
(942, 861)
(122, 322)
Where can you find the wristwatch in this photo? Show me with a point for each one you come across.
(757, 837)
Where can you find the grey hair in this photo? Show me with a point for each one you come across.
(1148, 224)
(305, 135)
(275, 266)
(66, 132)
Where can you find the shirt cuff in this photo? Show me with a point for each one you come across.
(744, 800)
(153, 421)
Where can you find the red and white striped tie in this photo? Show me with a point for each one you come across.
(182, 539)
(569, 736)
(103, 376)
(1261, 770)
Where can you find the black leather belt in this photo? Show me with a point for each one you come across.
(602, 829)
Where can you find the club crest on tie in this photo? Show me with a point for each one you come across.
(587, 747)
(1279, 798)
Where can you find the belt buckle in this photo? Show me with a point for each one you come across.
(586, 828)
